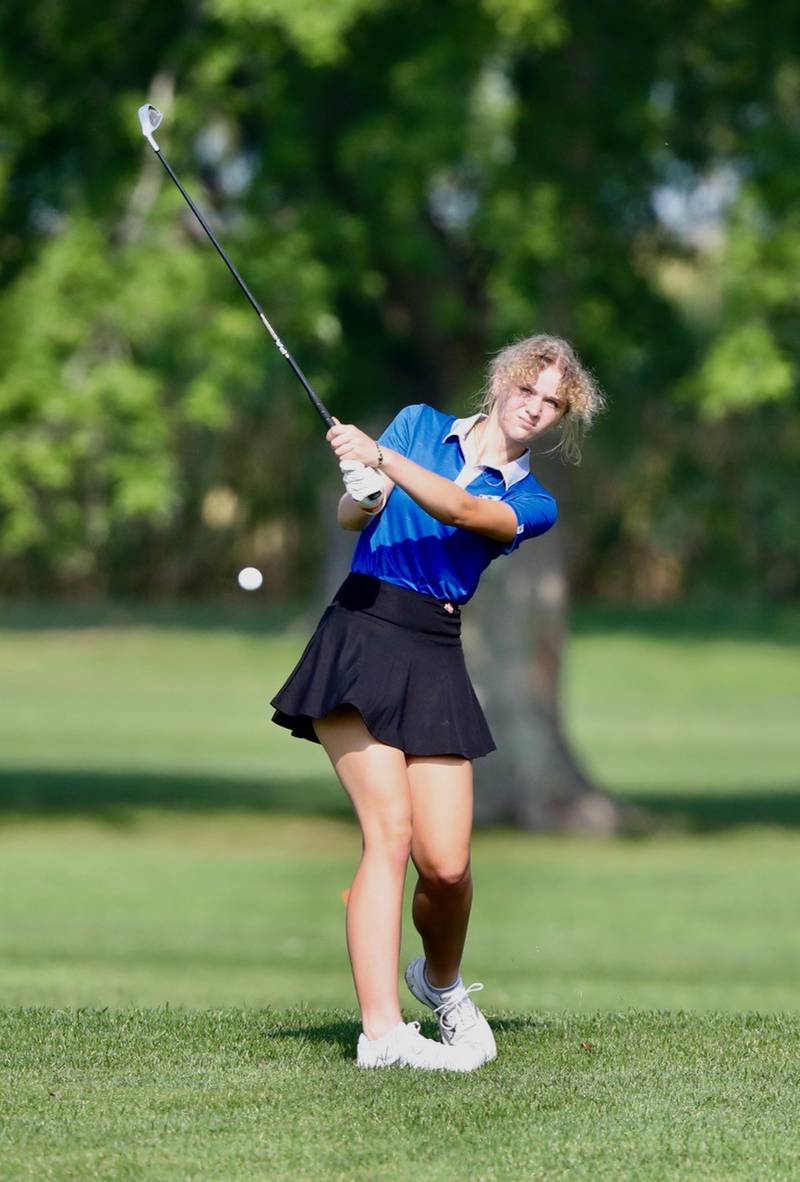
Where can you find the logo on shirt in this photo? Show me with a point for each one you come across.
(489, 497)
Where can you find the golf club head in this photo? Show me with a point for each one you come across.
(149, 119)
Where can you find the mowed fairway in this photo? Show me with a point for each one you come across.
(177, 1001)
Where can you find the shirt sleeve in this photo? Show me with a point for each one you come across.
(536, 511)
(398, 435)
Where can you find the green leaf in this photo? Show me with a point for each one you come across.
(743, 369)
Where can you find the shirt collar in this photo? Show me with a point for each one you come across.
(511, 472)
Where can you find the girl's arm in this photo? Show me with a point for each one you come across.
(443, 499)
(448, 502)
(351, 515)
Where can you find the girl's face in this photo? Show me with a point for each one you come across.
(527, 408)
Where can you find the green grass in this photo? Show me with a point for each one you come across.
(171, 870)
(696, 724)
(241, 910)
(151, 973)
(244, 1095)
(110, 708)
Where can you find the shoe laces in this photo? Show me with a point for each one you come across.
(459, 1007)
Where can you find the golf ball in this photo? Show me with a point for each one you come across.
(250, 579)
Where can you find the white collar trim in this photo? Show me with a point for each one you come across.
(511, 472)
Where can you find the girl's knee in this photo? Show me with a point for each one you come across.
(448, 872)
(390, 836)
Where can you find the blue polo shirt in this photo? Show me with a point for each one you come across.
(404, 545)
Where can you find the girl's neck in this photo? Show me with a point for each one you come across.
(491, 446)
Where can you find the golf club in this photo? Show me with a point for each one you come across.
(150, 119)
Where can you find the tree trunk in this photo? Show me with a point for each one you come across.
(514, 633)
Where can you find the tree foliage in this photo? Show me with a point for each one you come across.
(405, 186)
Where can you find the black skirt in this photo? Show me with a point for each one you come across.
(396, 656)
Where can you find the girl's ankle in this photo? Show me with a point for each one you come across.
(376, 1028)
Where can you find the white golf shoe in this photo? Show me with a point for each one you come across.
(461, 1023)
(404, 1046)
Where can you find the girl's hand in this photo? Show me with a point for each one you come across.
(365, 485)
(348, 443)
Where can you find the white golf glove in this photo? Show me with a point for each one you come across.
(364, 484)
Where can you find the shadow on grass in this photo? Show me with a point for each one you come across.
(341, 1035)
(729, 618)
(248, 617)
(113, 795)
(712, 620)
(714, 814)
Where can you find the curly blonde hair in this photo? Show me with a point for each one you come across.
(524, 360)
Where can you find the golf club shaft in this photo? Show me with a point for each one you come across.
(314, 398)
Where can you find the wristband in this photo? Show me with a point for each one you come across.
(380, 454)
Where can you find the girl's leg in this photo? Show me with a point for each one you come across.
(441, 808)
(376, 780)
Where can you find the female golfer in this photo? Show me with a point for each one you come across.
(382, 684)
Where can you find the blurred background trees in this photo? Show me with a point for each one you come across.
(405, 187)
